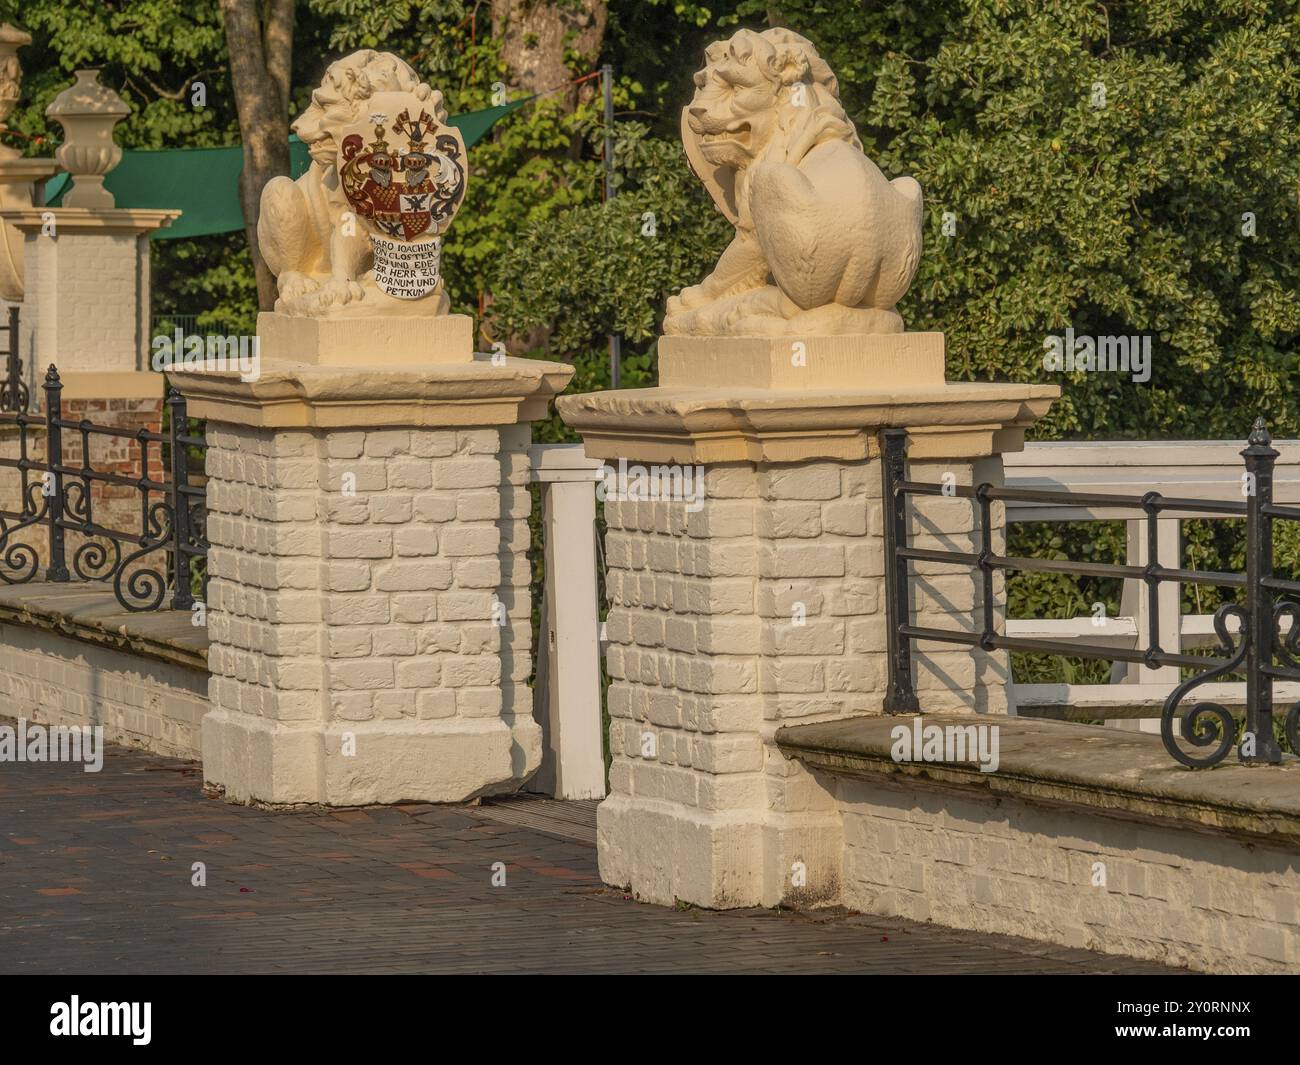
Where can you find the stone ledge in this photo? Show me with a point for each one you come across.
(439, 395)
(1121, 774)
(91, 613)
(745, 424)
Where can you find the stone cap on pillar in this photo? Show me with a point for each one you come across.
(796, 398)
(81, 220)
(26, 171)
(295, 396)
(380, 339)
(691, 426)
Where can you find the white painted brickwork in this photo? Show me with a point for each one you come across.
(84, 295)
(374, 577)
(1173, 895)
(761, 609)
(140, 702)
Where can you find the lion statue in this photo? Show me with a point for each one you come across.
(308, 232)
(824, 243)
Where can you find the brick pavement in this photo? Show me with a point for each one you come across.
(95, 877)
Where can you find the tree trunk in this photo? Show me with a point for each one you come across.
(536, 34)
(260, 56)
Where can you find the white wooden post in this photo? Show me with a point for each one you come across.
(568, 688)
(1135, 602)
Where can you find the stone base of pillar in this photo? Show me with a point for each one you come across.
(760, 601)
(670, 852)
(253, 760)
(369, 616)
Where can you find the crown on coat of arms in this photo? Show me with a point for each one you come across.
(414, 129)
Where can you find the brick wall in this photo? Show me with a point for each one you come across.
(1183, 897)
(140, 702)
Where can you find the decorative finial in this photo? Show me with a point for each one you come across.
(1259, 436)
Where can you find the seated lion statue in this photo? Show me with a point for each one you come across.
(307, 230)
(824, 243)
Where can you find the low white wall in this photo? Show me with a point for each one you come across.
(1174, 895)
(140, 701)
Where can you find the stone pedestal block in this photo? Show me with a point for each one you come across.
(760, 602)
(411, 340)
(369, 613)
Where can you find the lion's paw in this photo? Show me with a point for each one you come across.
(339, 291)
(293, 285)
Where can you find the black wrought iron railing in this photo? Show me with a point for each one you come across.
(13, 390)
(1260, 651)
(58, 499)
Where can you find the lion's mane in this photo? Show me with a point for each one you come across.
(348, 84)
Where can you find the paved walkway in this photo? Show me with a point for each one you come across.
(95, 877)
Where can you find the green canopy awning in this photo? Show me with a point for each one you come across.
(203, 183)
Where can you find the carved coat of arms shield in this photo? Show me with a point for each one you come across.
(403, 171)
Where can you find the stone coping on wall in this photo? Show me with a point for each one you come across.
(90, 612)
(1123, 774)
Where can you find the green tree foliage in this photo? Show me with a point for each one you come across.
(1102, 165)
(154, 53)
(1098, 162)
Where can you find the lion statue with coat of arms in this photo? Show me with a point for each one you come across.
(824, 243)
(387, 176)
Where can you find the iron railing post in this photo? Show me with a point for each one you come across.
(58, 567)
(13, 386)
(182, 596)
(900, 697)
(1150, 581)
(1260, 457)
(987, 612)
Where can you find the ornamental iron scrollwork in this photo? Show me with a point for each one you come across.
(166, 553)
(1196, 722)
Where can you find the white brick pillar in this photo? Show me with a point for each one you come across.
(763, 603)
(369, 614)
(86, 303)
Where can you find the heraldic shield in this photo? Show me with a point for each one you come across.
(403, 171)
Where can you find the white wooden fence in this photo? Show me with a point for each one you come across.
(1207, 469)
(568, 690)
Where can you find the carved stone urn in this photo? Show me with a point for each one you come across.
(88, 111)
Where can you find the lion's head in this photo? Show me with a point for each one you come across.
(348, 84)
(764, 92)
